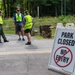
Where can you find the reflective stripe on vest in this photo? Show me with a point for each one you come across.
(1, 21)
(28, 24)
(18, 17)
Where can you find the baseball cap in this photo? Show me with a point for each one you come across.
(26, 11)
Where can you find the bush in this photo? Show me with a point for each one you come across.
(9, 23)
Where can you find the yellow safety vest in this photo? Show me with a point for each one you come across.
(1, 21)
(18, 17)
(28, 24)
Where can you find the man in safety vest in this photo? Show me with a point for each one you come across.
(28, 26)
(18, 21)
(1, 29)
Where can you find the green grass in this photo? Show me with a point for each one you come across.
(9, 23)
(9, 31)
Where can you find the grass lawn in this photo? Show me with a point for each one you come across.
(9, 31)
(9, 23)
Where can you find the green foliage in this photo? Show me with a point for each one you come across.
(9, 31)
(55, 1)
(53, 7)
(66, 19)
(9, 24)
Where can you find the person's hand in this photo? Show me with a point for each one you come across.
(22, 26)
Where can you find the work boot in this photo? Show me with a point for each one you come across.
(28, 43)
(0, 42)
(6, 41)
(19, 39)
(23, 39)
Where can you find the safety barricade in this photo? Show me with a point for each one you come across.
(62, 58)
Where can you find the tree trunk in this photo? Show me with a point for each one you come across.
(4, 3)
(8, 8)
(56, 11)
(61, 7)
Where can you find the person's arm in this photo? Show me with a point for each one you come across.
(24, 21)
(15, 21)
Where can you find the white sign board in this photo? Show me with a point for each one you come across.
(63, 52)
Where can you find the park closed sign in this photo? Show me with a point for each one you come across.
(63, 53)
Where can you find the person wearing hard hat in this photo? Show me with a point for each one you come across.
(1, 29)
(18, 21)
(28, 26)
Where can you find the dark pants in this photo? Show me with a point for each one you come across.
(2, 33)
(18, 27)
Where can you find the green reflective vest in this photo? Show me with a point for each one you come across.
(18, 17)
(1, 21)
(28, 24)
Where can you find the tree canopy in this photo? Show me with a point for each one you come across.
(46, 7)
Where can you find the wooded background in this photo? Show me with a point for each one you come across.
(46, 7)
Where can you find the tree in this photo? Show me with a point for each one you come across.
(46, 7)
(4, 4)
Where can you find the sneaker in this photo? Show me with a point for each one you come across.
(28, 43)
(19, 39)
(23, 39)
(6, 41)
(0, 42)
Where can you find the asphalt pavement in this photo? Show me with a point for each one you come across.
(16, 58)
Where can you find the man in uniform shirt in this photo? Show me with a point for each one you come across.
(18, 21)
(1, 29)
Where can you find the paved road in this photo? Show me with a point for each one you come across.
(16, 58)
